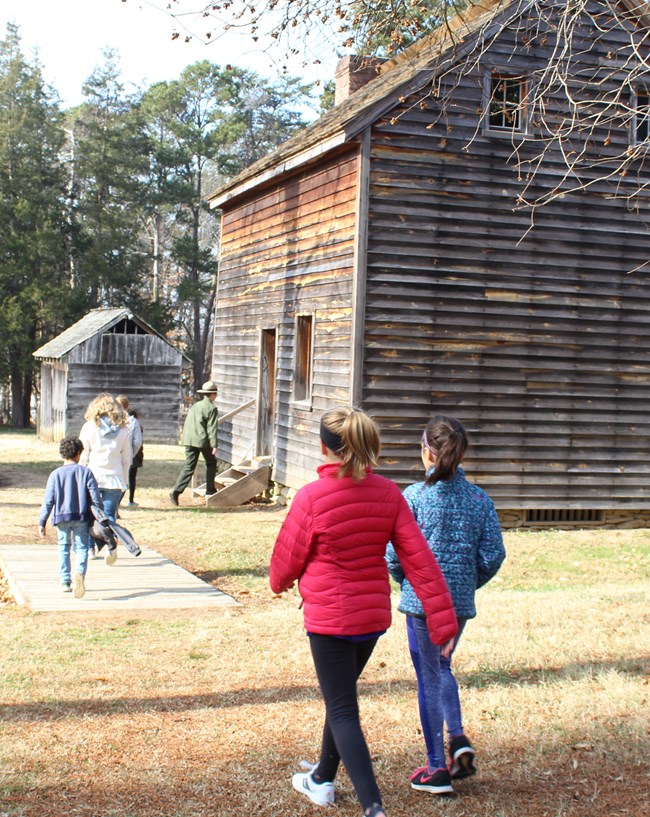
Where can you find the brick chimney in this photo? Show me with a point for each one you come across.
(352, 73)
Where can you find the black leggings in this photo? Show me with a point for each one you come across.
(133, 474)
(339, 663)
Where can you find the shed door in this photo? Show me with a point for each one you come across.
(266, 394)
(59, 401)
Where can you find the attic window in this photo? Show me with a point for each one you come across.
(641, 122)
(304, 353)
(126, 327)
(505, 103)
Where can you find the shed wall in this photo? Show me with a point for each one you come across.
(52, 403)
(536, 340)
(144, 367)
(288, 251)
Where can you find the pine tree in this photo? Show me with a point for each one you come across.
(111, 158)
(204, 127)
(34, 286)
(201, 131)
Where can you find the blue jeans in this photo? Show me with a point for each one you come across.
(438, 699)
(111, 498)
(75, 535)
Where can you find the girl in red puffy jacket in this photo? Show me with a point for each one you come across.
(333, 542)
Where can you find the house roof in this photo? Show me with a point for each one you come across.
(400, 76)
(95, 322)
(347, 119)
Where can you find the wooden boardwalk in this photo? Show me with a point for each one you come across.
(148, 582)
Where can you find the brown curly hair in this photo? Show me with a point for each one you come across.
(106, 404)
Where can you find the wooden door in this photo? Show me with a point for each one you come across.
(266, 394)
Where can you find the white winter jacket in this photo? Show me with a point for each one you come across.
(107, 452)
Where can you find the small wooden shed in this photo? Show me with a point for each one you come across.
(115, 351)
(380, 258)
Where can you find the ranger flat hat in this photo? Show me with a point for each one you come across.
(209, 387)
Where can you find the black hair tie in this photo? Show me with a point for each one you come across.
(329, 438)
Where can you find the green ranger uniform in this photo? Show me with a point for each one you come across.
(199, 438)
(200, 429)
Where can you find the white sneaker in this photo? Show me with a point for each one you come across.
(322, 794)
(79, 586)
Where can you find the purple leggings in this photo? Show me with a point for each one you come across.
(438, 699)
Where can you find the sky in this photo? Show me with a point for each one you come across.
(69, 36)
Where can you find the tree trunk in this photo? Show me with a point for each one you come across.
(17, 398)
(207, 333)
(156, 247)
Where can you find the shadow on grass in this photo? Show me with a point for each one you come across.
(213, 576)
(59, 710)
(253, 506)
(252, 696)
(638, 666)
(49, 464)
(196, 787)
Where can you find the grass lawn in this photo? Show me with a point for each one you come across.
(207, 713)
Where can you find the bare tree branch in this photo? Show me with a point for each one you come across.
(577, 103)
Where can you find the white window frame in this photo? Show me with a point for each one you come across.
(496, 74)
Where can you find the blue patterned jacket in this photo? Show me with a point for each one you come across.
(460, 523)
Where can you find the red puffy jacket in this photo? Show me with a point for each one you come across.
(333, 540)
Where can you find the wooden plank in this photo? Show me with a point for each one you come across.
(241, 490)
(266, 277)
(359, 283)
(148, 582)
(313, 178)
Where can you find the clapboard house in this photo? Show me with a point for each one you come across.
(115, 351)
(379, 258)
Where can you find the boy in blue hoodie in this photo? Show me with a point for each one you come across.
(71, 491)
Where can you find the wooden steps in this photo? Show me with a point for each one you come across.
(238, 484)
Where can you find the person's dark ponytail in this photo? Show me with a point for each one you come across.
(447, 439)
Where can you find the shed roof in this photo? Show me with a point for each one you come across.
(95, 322)
(400, 76)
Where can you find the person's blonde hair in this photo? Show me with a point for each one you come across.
(106, 404)
(359, 435)
(123, 400)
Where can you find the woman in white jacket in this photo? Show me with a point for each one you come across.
(107, 449)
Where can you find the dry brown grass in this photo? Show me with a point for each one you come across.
(202, 713)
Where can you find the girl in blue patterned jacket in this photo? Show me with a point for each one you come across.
(460, 523)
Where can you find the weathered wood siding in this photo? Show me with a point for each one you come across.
(143, 367)
(52, 403)
(288, 250)
(537, 341)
